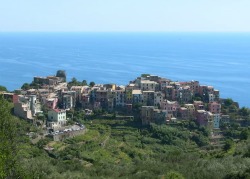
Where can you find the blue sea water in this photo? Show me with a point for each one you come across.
(218, 59)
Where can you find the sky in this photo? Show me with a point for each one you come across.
(125, 15)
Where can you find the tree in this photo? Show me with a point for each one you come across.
(233, 108)
(84, 83)
(62, 74)
(238, 175)
(244, 134)
(3, 88)
(145, 75)
(174, 175)
(229, 144)
(200, 140)
(244, 111)
(228, 102)
(8, 144)
(205, 131)
(74, 80)
(25, 86)
(92, 84)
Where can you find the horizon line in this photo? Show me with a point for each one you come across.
(124, 31)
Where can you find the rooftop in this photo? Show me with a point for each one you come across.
(201, 111)
(148, 81)
(148, 91)
(198, 102)
(136, 92)
(171, 102)
(189, 105)
(58, 110)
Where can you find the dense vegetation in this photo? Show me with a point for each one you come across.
(75, 82)
(114, 148)
(3, 88)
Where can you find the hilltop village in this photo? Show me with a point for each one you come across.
(145, 129)
(157, 100)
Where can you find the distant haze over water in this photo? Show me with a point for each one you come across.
(218, 59)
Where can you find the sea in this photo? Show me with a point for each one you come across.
(221, 60)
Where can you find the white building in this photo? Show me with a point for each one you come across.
(56, 118)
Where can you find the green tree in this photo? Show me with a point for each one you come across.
(3, 88)
(8, 144)
(244, 134)
(84, 83)
(92, 84)
(74, 80)
(25, 86)
(174, 175)
(244, 111)
(233, 109)
(200, 140)
(238, 175)
(228, 102)
(145, 75)
(229, 144)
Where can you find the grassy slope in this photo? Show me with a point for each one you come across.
(122, 149)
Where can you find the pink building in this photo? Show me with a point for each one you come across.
(194, 85)
(214, 107)
(171, 107)
(201, 117)
(204, 118)
(15, 98)
(184, 84)
(51, 103)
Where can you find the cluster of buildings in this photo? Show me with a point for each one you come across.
(166, 101)
(160, 100)
(29, 104)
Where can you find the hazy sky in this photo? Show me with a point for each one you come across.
(125, 15)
